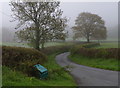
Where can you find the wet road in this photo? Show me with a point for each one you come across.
(88, 76)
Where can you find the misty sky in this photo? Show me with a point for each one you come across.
(107, 10)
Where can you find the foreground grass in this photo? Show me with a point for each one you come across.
(109, 64)
(108, 45)
(57, 77)
(0, 75)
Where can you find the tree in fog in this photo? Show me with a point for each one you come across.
(100, 34)
(89, 26)
(39, 21)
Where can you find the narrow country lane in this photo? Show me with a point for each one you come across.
(88, 76)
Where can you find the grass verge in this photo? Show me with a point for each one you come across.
(57, 77)
(109, 64)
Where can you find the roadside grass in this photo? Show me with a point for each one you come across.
(57, 77)
(108, 64)
(0, 75)
(108, 45)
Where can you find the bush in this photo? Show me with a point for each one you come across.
(22, 59)
(95, 53)
(56, 49)
(90, 45)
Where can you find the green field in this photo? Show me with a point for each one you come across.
(58, 77)
(25, 44)
(15, 44)
(108, 45)
(110, 64)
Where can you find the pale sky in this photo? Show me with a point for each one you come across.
(107, 10)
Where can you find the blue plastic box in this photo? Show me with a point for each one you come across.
(40, 71)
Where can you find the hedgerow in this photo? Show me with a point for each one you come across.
(22, 59)
(56, 49)
(86, 50)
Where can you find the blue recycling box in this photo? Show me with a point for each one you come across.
(40, 71)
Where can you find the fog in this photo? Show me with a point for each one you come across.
(107, 10)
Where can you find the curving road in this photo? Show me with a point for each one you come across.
(88, 76)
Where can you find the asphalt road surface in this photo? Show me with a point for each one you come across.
(88, 76)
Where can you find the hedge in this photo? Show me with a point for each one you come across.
(22, 59)
(56, 49)
(95, 53)
(90, 45)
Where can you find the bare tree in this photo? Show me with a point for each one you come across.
(38, 21)
(89, 26)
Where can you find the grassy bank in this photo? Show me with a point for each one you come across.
(109, 64)
(57, 76)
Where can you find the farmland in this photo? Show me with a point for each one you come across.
(27, 46)
(108, 45)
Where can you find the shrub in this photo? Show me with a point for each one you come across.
(23, 59)
(95, 53)
(20, 58)
(90, 45)
(56, 49)
(83, 47)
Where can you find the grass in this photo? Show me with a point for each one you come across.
(108, 45)
(109, 64)
(57, 78)
(0, 75)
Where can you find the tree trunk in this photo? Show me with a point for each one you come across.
(98, 41)
(88, 40)
(42, 46)
(37, 40)
(37, 46)
(43, 39)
